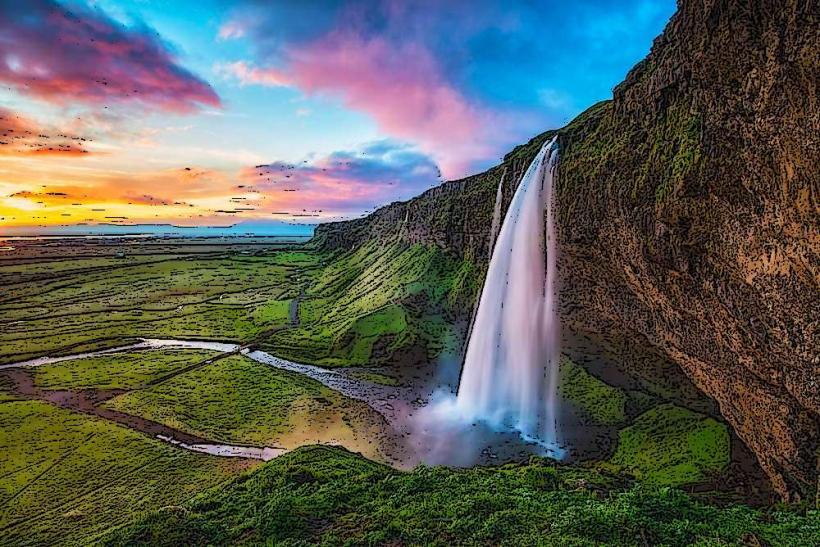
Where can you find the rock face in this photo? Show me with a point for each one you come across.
(687, 210)
(688, 207)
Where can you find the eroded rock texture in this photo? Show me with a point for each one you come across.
(689, 209)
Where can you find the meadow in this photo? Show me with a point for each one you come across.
(69, 473)
(66, 477)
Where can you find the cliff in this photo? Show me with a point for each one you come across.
(687, 210)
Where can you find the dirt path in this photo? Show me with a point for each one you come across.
(90, 402)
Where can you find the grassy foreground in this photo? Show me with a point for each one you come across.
(328, 495)
(66, 477)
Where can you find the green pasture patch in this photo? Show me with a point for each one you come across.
(66, 477)
(233, 400)
(117, 371)
(599, 402)
(670, 445)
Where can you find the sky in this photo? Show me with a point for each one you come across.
(212, 113)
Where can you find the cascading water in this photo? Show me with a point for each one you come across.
(510, 370)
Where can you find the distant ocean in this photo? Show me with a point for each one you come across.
(243, 229)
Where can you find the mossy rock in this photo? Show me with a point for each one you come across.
(598, 402)
(671, 445)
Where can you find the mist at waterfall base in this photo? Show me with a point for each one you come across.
(505, 406)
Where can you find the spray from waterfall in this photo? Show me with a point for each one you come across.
(510, 370)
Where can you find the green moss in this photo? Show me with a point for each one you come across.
(659, 157)
(323, 495)
(601, 403)
(373, 304)
(670, 445)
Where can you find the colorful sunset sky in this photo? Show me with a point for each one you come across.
(207, 112)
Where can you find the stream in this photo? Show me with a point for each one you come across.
(389, 401)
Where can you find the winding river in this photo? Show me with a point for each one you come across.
(389, 401)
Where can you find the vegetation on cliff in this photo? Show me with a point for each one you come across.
(686, 217)
(384, 302)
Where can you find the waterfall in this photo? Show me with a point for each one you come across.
(510, 370)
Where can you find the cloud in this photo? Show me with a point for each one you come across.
(344, 182)
(80, 54)
(462, 79)
(20, 136)
(340, 184)
(409, 101)
(249, 75)
(231, 30)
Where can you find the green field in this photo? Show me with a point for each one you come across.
(238, 401)
(231, 298)
(670, 445)
(321, 495)
(379, 304)
(117, 371)
(372, 306)
(66, 477)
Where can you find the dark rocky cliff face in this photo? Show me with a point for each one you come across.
(688, 207)
(688, 223)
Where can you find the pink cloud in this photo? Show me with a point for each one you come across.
(401, 86)
(248, 75)
(409, 100)
(62, 55)
(231, 30)
(20, 136)
(344, 182)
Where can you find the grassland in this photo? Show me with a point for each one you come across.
(599, 403)
(329, 496)
(66, 477)
(670, 445)
(238, 401)
(105, 302)
(117, 371)
(378, 304)
(664, 444)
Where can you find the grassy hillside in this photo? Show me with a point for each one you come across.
(384, 302)
(330, 496)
